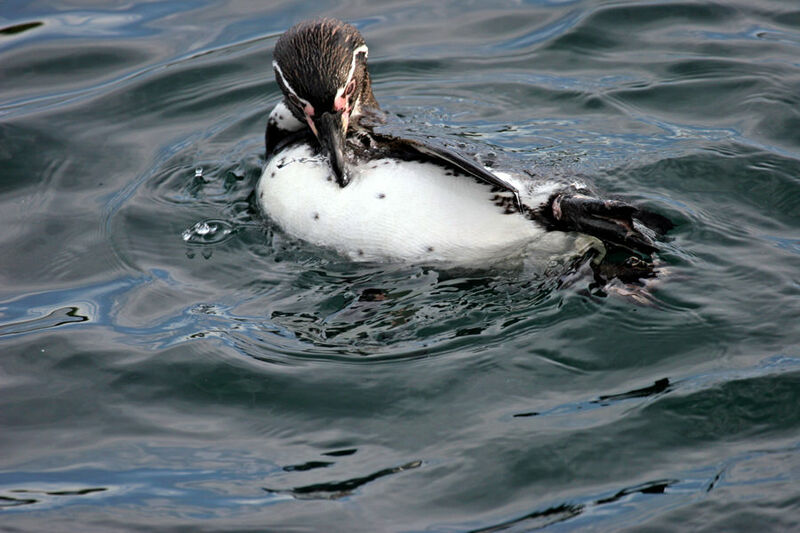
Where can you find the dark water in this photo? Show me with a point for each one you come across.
(241, 380)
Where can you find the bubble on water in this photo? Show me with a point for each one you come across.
(208, 232)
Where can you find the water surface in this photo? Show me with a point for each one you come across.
(171, 360)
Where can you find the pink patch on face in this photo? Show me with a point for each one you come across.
(309, 110)
(340, 103)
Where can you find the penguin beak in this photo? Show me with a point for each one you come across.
(331, 130)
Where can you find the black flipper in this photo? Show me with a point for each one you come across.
(379, 138)
(447, 157)
(611, 221)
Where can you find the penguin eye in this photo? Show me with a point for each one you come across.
(351, 87)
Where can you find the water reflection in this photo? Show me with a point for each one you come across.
(242, 379)
(334, 490)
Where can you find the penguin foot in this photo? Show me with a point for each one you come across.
(612, 221)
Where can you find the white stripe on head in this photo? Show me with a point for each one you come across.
(305, 102)
(360, 50)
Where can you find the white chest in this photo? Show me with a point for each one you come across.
(392, 210)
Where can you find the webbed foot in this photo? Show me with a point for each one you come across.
(612, 221)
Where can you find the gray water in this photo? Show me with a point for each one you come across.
(170, 360)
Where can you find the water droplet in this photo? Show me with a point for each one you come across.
(208, 232)
(203, 228)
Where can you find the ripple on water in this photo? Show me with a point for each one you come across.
(169, 356)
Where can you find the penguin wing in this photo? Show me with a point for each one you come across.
(416, 149)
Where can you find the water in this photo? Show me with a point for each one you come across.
(172, 361)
